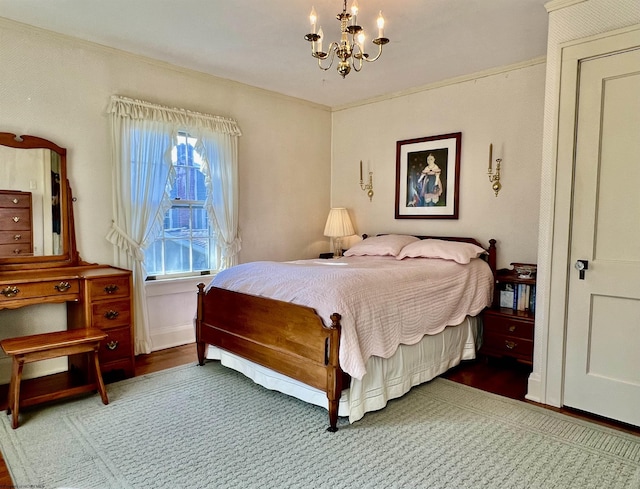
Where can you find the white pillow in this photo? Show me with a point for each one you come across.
(386, 245)
(457, 251)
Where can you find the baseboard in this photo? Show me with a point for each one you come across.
(169, 338)
(534, 388)
(33, 370)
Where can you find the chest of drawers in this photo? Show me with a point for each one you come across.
(16, 236)
(507, 334)
(108, 306)
(509, 331)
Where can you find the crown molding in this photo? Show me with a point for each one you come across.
(445, 83)
(560, 4)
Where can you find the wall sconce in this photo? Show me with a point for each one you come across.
(369, 186)
(494, 177)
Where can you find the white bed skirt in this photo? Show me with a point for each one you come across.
(385, 379)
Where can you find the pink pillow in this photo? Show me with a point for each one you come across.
(387, 245)
(457, 251)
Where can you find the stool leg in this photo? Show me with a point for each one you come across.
(98, 373)
(14, 390)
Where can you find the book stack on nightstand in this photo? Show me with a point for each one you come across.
(509, 323)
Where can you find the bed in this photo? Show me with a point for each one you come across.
(350, 333)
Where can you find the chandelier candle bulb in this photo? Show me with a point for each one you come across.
(354, 12)
(313, 18)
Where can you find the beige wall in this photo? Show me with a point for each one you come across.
(59, 88)
(503, 107)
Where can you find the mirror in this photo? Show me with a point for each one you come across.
(36, 219)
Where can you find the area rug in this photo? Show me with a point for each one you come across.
(210, 427)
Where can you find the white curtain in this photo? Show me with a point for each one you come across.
(221, 179)
(143, 135)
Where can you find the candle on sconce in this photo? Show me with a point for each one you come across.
(361, 170)
(319, 43)
(380, 22)
(490, 156)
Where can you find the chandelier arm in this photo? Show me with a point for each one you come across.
(371, 60)
(331, 54)
(357, 56)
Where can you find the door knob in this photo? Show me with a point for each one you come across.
(582, 266)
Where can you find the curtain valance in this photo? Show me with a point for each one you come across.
(139, 109)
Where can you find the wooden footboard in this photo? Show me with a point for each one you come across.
(285, 337)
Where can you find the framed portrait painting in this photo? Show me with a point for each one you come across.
(428, 177)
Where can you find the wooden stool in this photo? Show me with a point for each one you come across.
(27, 349)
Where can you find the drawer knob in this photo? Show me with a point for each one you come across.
(15, 200)
(112, 345)
(512, 328)
(10, 291)
(111, 288)
(17, 237)
(16, 219)
(17, 251)
(62, 286)
(510, 344)
(111, 314)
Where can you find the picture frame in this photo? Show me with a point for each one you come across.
(428, 177)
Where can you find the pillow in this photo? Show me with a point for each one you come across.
(457, 251)
(387, 245)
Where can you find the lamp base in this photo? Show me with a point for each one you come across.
(337, 247)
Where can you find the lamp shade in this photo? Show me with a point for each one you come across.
(338, 223)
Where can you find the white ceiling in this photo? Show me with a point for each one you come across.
(261, 42)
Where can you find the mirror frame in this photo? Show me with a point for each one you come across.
(69, 255)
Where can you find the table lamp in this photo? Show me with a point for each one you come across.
(338, 226)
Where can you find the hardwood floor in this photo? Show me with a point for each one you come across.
(501, 377)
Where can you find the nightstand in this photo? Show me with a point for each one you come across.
(508, 326)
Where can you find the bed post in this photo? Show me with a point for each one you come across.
(492, 260)
(334, 372)
(200, 345)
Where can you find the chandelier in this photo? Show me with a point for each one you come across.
(351, 44)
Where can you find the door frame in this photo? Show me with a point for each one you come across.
(552, 350)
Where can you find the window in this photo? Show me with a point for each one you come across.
(186, 244)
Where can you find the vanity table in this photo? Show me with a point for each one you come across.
(96, 296)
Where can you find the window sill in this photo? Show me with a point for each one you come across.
(176, 285)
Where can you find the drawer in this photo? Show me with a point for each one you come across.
(116, 346)
(69, 289)
(15, 219)
(510, 326)
(16, 249)
(503, 345)
(109, 314)
(8, 237)
(109, 287)
(15, 199)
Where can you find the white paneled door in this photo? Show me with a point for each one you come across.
(602, 359)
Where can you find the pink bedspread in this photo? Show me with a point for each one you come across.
(383, 301)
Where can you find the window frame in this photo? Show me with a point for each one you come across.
(196, 163)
